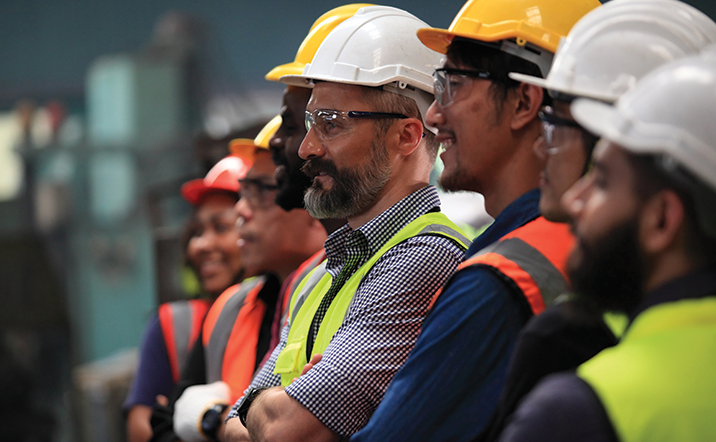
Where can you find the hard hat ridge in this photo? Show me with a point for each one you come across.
(377, 47)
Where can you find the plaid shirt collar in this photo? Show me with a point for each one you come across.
(361, 243)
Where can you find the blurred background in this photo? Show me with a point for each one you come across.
(106, 108)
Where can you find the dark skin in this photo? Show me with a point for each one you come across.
(284, 147)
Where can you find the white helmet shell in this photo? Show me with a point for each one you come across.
(613, 46)
(378, 46)
(669, 112)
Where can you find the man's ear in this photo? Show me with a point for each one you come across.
(409, 134)
(527, 100)
(662, 222)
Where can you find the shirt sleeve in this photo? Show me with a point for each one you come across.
(154, 374)
(561, 408)
(450, 384)
(377, 334)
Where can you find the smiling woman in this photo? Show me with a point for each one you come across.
(213, 253)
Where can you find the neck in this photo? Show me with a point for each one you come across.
(519, 175)
(332, 224)
(387, 198)
(668, 267)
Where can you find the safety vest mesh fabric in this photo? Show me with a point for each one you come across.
(313, 288)
(231, 334)
(180, 322)
(302, 271)
(658, 384)
(533, 257)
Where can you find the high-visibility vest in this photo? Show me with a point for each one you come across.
(533, 257)
(658, 383)
(313, 288)
(180, 322)
(302, 271)
(231, 334)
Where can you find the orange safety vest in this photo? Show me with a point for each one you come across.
(231, 334)
(533, 257)
(302, 271)
(181, 322)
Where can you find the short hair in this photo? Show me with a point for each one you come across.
(487, 56)
(386, 101)
(652, 175)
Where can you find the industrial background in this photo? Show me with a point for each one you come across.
(106, 107)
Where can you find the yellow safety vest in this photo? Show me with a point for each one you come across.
(313, 288)
(659, 383)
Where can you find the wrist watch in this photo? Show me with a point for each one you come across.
(211, 421)
(243, 410)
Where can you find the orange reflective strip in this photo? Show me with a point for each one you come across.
(240, 353)
(199, 308)
(166, 321)
(215, 311)
(524, 281)
(553, 240)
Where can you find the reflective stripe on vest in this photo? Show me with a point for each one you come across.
(658, 383)
(231, 333)
(181, 322)
(534, 257)
(302, 271)
(311, 290)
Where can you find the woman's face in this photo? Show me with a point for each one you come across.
(212, 247)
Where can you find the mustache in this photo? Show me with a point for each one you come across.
(314, 166)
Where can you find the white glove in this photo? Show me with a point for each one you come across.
(189, 409)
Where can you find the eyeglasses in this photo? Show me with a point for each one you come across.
(329, 123)
(560, 133)
(455, 84)
(258, 194)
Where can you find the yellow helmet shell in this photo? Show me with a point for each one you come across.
(540, 22)
(320, 28)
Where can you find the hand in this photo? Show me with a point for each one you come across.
(315, 359)
(191, 406)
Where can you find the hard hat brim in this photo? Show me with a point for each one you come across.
(193, 191)
(244, 148)
(552, 87)
(293, 68)
(597, 117)
(437, 39)
(529, 79)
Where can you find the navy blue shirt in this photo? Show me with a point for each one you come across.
(451, 382)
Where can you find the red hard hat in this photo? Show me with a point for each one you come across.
(225, 175)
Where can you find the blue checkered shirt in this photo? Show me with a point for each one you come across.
(382, 322)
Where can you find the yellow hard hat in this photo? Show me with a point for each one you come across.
(246, 147)
(321, 27)
(540, 22)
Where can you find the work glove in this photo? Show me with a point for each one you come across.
(189, 409)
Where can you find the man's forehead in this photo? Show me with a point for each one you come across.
(328, 95)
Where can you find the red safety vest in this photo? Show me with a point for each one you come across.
(231, 334)
(181, 322)
(534, 257)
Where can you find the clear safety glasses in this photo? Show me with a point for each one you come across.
(455, 84)
(329, 123)
(560, 133)
(258, 195)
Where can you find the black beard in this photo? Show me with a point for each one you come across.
(290, 192)
(612, 271)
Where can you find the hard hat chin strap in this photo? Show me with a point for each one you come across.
(422, 99)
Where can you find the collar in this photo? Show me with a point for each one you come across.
(695, 285)
(518, 213)
(371, 236)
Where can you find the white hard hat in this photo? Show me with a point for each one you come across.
(613, 46)
(378, 46)
(669, 112)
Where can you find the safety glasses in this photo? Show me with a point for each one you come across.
(453, 85)
(329, 123)
(258, 194)
(560, 133)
